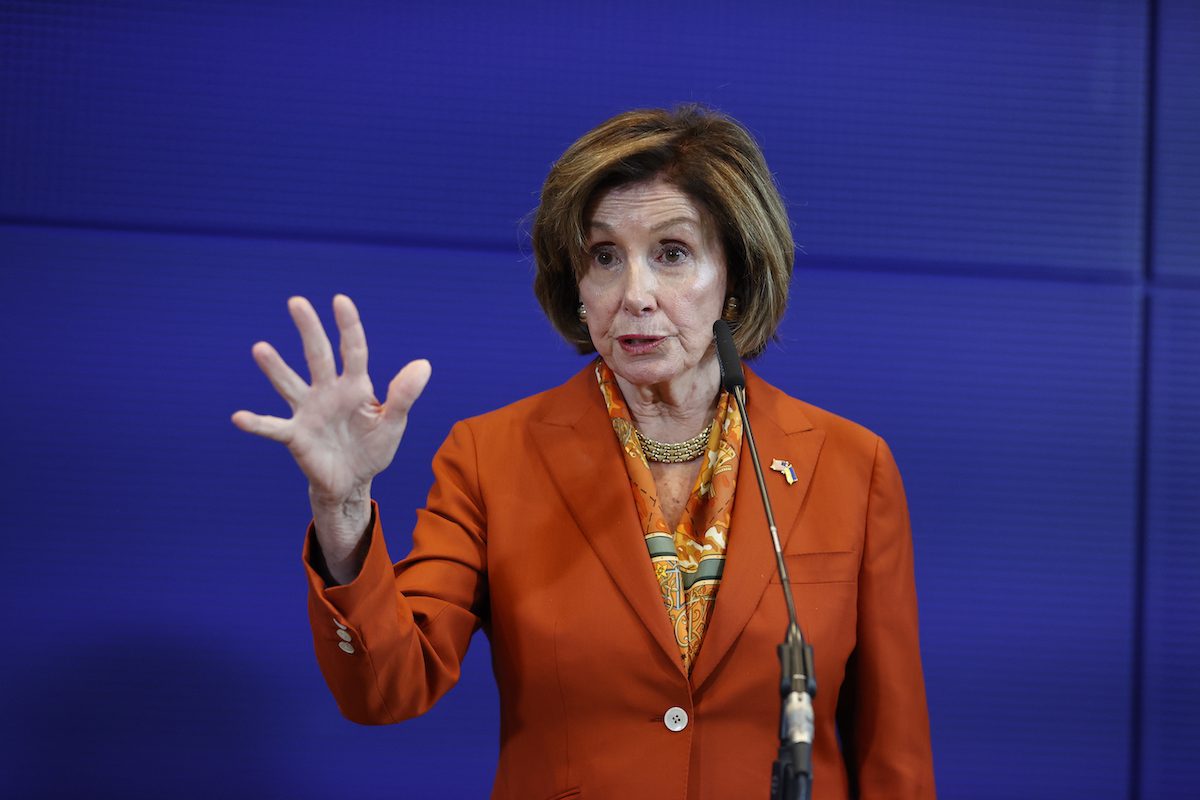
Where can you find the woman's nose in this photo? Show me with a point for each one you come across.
(639, 287)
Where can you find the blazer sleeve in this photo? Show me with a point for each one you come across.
(882, 714)
(391, 642)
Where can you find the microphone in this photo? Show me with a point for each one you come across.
(732, 376)
(791, 774)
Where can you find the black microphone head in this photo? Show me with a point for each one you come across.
(732, 376)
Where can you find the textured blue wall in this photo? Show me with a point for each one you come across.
(998, 206)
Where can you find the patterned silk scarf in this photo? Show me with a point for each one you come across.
(689, 560)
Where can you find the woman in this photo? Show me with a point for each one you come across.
(607, 534)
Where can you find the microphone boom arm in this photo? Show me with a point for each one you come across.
(791, 774)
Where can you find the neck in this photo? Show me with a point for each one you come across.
(678, 409)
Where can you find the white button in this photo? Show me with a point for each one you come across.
(344, 635)
(675, 719)
(349, 648)
(340, 625)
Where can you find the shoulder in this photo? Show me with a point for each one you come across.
(500, 445)
(850, 454)
(852, 461)
(562, 405)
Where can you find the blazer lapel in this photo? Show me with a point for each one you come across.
(750, 559)
(575, 439)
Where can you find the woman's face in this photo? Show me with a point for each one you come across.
(654, 283)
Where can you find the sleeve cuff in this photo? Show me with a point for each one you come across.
(340, 602)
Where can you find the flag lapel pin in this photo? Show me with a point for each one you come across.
(785, 469)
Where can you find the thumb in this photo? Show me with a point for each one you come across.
(405, 388)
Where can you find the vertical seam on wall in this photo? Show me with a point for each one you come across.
(1143, 419)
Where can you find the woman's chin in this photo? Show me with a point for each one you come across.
(644, 371)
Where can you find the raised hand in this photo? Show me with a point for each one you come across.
(339, 433)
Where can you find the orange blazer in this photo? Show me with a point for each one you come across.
(530, 532)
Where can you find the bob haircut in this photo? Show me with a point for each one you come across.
(709, 157)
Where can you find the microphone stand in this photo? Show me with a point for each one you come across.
(791, 774)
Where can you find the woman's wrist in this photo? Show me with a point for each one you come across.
(341, 528)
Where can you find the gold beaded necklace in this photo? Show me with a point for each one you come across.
(674, 453)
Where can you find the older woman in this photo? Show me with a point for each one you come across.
(607, 534)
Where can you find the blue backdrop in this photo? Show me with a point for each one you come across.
(998, 206)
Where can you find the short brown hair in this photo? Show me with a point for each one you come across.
(708, 156)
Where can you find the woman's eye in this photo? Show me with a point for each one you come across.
(604, 257)
(674, 253)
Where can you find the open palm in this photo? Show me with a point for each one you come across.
(339, 433)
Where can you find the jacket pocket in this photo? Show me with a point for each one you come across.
(832, 567)
(566, 794)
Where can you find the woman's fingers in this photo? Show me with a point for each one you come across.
(290, 386)
(317, 350)
(266, 426)
(352, 338)
(335, 405)
(405, 388)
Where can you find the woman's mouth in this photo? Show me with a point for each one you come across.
(639, 345)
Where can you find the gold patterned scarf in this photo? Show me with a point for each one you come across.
(689, 560)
